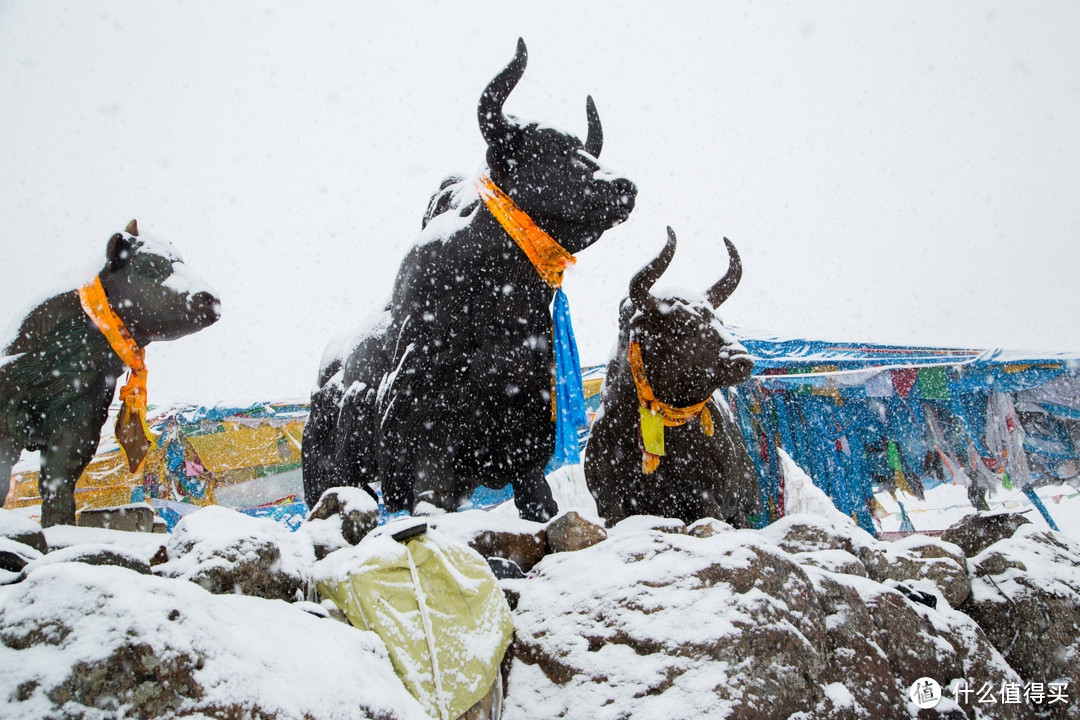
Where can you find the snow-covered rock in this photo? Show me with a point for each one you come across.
(809, 618)
(570, 531)
(14, 526)
(343, 516)
(522, 542)
(917, 558)
(974, 533)
(104, 642)
(100, 554)
(1026, 597)
(666, 625)
(228, 552)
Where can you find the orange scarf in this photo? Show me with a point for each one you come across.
(547, 256)
(544, 252)
(656, 414)
(132, 433)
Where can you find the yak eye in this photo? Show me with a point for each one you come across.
(157, 269)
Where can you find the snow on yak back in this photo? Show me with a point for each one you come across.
(58, 375)
(451, 389)
(661, 444)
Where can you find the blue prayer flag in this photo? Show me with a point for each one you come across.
(569, 394)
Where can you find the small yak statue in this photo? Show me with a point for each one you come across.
(58, 376)
(451, 388)
(661, 444)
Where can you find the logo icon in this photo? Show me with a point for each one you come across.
(925, 693)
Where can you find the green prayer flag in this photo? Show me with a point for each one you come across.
(893, 457)
(933, 383)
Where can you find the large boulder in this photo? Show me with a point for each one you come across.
(650, 624)
(228, 552)
(658, 625)
(104, 642)
(1026, 597)
(879, 642)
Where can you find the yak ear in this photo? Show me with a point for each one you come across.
(132, 228)
(118, 253)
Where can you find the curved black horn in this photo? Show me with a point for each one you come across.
(647, 276)
(726, 285)
(494, 125)
(594, 143)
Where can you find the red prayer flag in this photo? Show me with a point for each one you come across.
(904, 379)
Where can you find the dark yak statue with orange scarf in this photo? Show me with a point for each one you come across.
(662, 444)
(451, 387)
(58, 376)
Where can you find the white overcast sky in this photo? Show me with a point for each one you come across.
(891, 172)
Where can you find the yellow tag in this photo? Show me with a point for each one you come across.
(652, 431)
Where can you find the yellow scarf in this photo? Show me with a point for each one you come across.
(656, 414)
(547, 256)
(132, 433)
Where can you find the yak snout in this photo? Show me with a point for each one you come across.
(742, 366)
(626, 195)
(204, 309)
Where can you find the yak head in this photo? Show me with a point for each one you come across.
(550, 174)
(153, 291)
(687, 352)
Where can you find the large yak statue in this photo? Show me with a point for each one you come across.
(451, 387)
(661, 444)
(58, 376)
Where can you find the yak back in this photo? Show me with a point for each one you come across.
(57, 355)
(470, 337)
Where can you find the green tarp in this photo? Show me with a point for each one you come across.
(438, 609)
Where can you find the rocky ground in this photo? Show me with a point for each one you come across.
(808, 618)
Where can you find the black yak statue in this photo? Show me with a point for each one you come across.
(661, 444)
(58, 376)
(451, 387)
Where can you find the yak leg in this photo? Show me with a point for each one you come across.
(62, 462)
(318, 447)
(434, 479)
(397, 481)
(533, 496)
(9, 455)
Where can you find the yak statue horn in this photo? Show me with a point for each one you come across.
(132, 228)
(726, 285)
(594, 143)
(496, 128)
(647, 276)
